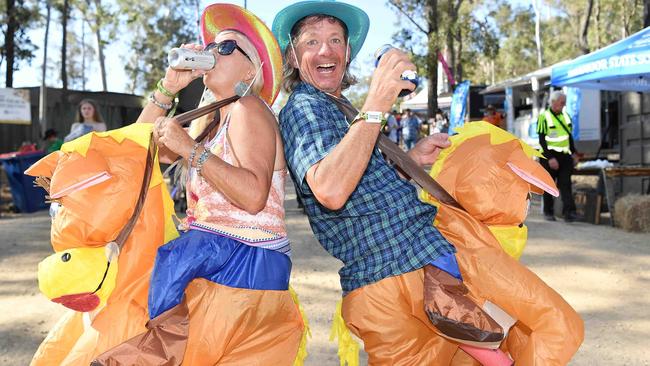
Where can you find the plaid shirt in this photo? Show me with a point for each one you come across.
(383, 229)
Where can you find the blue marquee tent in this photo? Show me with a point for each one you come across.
(622, 66)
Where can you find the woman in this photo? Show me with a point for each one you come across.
(88, 119)
(232, 264)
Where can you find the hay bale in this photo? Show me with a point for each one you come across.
(632, 213)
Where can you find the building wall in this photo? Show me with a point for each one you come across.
(117, 109)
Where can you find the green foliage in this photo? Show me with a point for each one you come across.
(495, 40)
(27, 18)
(155, 27)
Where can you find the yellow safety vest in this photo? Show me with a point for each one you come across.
(558, 132)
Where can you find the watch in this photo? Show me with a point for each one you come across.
(370, 117)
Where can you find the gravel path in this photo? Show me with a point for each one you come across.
(603, 272)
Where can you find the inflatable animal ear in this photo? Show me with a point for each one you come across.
(533, 173)
(45, 167)
(70, 172)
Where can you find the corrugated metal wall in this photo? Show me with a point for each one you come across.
(117, 109)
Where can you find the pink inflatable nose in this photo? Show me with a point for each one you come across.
(488, 357)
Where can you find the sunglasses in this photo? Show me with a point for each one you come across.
(226, 47)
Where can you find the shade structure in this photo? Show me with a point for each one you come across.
(622, 66)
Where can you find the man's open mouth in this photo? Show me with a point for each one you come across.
(326, 68)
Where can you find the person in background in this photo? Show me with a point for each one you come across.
(442, 124)
(392, 126)
(88, 119)
(493, 117)
(556, 140)
(411, 129)
(51, 141)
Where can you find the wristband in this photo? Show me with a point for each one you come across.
(370, 117)
(190, 160)
(164, 91)
(202, 159)
(161, 105)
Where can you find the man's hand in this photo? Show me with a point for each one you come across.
(387, 81)
(553, 164)
(426, 151)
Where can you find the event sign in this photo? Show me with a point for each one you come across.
(458, 106)
(15, 106)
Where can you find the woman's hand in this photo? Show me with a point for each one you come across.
(169, 133)
(175, 80)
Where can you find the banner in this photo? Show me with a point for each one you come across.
(458, 106)
(15, 107)
(572, 107)
(508, 107)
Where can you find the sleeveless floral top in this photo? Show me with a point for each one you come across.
(208, 209)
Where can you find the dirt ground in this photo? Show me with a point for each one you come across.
(603, 272)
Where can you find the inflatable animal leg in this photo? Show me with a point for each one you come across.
(389, 317)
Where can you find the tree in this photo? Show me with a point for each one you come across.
(99, 17)
(423, 15)
(155, 27)
(17, 18)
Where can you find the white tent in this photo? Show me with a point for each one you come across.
(418, 103)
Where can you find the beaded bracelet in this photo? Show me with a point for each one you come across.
(202, 159)
(161, 105)
(164, 91)
(191, 158)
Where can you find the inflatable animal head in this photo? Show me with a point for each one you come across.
(95, 182)
(491, 173)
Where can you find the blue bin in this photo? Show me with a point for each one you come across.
(27, 198)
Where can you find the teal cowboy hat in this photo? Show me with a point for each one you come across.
(355, 19)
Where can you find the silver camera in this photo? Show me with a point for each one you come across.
(187, 59)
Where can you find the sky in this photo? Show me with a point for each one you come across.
(383, 24)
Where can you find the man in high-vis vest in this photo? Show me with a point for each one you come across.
(554, 129)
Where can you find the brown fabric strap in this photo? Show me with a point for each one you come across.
(187, 117)
(146, 179)
(401, 159)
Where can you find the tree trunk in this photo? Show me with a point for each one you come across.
(102, 62)
(597, 21)
(64, 44)
(646, 13)
(583, 42)
(538, 38)
(12, 26)
(42, 108)
(432, 59)
(100, 46)
(451, 20)
(459, 63)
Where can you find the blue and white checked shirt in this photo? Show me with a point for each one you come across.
(383, 229)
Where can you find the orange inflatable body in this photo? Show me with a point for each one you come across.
(491, 174)
(96, 179)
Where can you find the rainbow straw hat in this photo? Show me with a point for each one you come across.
(355, 19)
(220, 17)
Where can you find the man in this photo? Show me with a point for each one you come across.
(360, 210)
(493, 117)
(411, 124)
(555, 137)
(400, 277)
